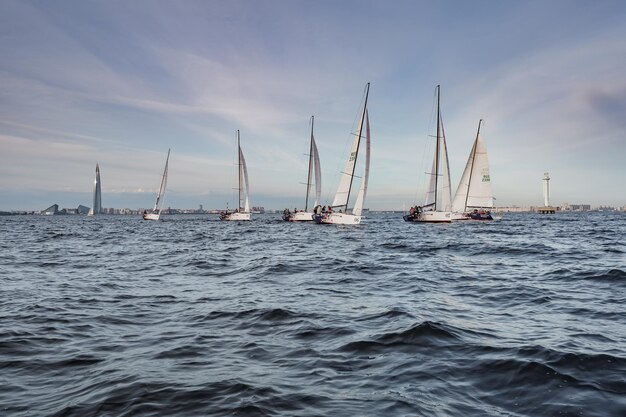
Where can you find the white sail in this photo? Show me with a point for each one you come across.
(244, 171)
(474, 190)
(481, 191)
(438, 195)
(444, 197)
(318, 173)
(310, 171)
(360, 199)
(460, 197)
(158, 204)
(437, 201)
(347, 175)
(338, 213)
(243, 208)
(313, 174)
(429, 199)
(161, 195)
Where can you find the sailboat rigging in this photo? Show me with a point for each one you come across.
(313, 171)
(338, 212)
(436, 208)
(474, 196)
(242, 213)
(158, 204)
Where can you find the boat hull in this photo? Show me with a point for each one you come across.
(430, 217)
(481, 216)
(300, 216)
(472, 216)
(337, 218)
(460, 216)
(151, 216)
(236, 217)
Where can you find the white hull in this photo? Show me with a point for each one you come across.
(460, 216)
(340, 218)
(301, 216)
(151, 216)
(237, 217)
(434, 217)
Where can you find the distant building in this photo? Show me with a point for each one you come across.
(510, 209)
(576, 207)
(580, 207)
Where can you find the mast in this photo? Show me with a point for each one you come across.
(308, 180)
(367, 91)
(239, 168)
(472, 166)
(437, 145)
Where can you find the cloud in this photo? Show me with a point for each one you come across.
(96, 81)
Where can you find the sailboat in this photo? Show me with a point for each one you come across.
(97, 195)
(338, 212)
(314, 171)
(158, 204)
(436, 208)
(242, 213)
(474, 197)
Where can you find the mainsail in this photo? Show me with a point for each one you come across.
(160, 196)
(314, 171)
(318, 173)
(438, 195)
(358, 205)
(243, 170)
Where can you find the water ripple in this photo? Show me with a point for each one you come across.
(190, 316)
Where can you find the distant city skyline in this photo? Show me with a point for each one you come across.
(119, 83)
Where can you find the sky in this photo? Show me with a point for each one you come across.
(118, 83)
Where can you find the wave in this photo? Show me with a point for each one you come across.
(426, 334)
(265, 314)
(611, 276)
(227, 319)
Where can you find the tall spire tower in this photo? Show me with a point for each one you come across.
(97, 194)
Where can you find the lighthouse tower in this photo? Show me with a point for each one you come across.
(546, 189)
(547, 208)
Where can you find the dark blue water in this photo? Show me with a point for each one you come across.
(114, 316)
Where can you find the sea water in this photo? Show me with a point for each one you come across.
(115, 316)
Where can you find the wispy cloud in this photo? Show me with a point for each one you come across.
(120, 83)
